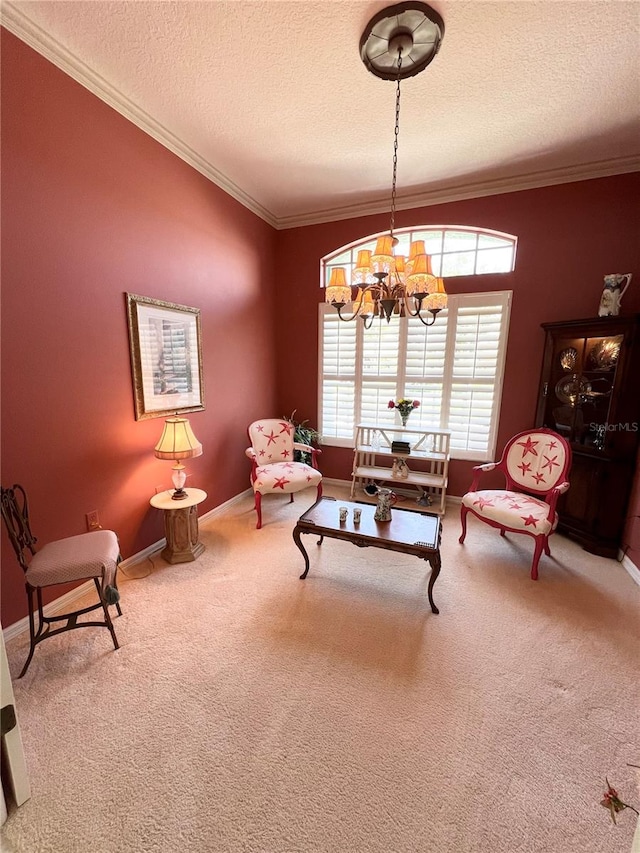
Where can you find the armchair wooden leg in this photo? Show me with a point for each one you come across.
(540, 543)
(258, 505)
(463, 522)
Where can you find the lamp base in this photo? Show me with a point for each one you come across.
(179, 478)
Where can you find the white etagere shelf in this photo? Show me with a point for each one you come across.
(374, 459)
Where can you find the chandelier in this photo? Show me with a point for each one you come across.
(398, 42)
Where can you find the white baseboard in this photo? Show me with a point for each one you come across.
(57, 606)
(630, 566)
(219, 510)
(66, 601)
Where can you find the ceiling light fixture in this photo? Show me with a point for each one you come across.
(398, 42)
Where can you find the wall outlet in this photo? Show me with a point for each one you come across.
(93, 522)
(160, 489)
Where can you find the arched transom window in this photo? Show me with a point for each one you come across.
(454, 250)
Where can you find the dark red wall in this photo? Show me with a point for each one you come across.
(93, 207)
(569, 237)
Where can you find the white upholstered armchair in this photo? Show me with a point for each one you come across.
(273, 468)
(535, 465)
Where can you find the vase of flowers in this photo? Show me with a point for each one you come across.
(404, 407)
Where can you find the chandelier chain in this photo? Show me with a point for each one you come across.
(395, 146)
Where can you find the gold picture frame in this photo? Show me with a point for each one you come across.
(165, 344)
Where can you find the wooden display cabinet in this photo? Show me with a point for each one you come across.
(590, 394)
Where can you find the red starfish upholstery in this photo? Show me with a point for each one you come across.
(273, 469)
(535, 465)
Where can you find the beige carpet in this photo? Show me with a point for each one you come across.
(250, 711)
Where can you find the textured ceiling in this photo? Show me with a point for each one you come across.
(271, 100)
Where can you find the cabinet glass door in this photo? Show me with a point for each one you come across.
(579, 388)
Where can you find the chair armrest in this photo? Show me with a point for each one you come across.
(314, 451)
(552, 498)
(478, 471)
(306, 447)
(253, 456)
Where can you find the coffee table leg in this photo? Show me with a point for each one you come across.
(296, 539)
(435, 571)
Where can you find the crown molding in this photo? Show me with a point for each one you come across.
(444, 195)
(27, 31)
(14, 20)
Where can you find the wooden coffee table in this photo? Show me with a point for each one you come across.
(408, 532)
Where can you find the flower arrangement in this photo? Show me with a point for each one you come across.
(405, 407)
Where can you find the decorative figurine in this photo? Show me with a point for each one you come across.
(615, 287)
(400, 469)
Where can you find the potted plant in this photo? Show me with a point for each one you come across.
(304, 434)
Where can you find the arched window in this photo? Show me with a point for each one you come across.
(454, 250)
(454, 367)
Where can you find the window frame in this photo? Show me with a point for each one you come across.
(456, 301)
(420, 233)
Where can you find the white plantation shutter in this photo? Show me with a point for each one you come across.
(424, 369)
(476, 373)
(454, 368)
(338, 370)
(380, 346)
(380, 365)
(426, 348)
(470, 417)
(375, 398)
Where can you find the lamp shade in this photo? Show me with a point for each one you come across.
(416, 248)
(177, 440)
(400, 269)
(338, 291)
(382, 259)
(362, 271)
(437, 299)
(366, 303)
(420, 280)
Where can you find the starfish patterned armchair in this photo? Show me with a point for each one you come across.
(273, 468)
(535, 465)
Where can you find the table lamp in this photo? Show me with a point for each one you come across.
(178, 442)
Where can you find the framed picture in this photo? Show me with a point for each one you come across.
(166, 357)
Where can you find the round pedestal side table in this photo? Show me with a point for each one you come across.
(180, 525)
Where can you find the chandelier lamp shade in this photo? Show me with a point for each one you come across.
(398, 42)
(178, 442)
